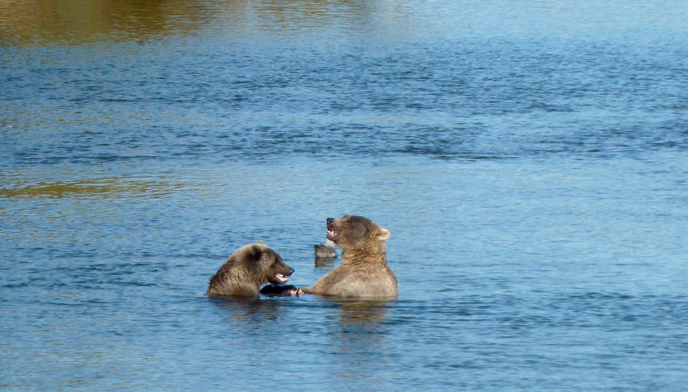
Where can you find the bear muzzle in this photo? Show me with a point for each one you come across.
(332, 232)
(281, 275)
(283, 278)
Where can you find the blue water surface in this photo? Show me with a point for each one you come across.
(529, 158)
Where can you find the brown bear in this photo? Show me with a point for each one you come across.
(363, 272)
(246, 270)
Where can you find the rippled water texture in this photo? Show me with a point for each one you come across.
(529, 159)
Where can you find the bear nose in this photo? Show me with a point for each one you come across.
(329, 220)
(291, 271)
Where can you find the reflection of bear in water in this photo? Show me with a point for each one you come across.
(246, 270)
(363, 271)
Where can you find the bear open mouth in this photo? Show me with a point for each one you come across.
(332, 232)
(281, 278)
(332, 235)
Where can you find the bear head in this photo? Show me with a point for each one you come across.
(264, 263)
(357, 232)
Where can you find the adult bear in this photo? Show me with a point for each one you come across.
(363, 272)
(247, 269)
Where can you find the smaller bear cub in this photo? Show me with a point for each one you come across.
(246, 270)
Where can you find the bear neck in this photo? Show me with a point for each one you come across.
(363, 257)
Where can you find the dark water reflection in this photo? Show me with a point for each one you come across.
(364, 312)
(354, 314)
(326, 264)
(351, 334)
(529, 158)
(248, 313)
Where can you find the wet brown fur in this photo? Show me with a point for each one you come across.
(246, 270)
(363, 271)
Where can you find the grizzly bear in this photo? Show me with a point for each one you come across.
(246, 270)
(363, 272)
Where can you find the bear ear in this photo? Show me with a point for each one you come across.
(256, 252)
(383, 233)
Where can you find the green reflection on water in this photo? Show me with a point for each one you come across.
(84, 20)
(78, 21)
(80, 188)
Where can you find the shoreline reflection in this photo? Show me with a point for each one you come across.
(32, 21)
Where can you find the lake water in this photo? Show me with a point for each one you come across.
(529, 158)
